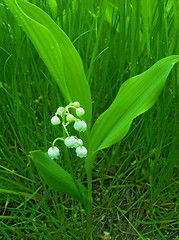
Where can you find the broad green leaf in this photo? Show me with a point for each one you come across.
(56, 177)
(135, 96)
(57, 52)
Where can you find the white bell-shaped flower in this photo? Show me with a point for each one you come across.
(70, 118)
(80, 126)
(55, 120)
(76, 104)
(80, 112)
(81, 152)
(70, 142)
(60, 111)
(78, 143)
(53, 152)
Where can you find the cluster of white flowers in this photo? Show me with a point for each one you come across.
(63, 115)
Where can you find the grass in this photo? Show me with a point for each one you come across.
(135, 182)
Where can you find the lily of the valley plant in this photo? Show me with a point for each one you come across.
(135, 96)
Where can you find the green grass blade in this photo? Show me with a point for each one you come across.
(56, 177)
(57, 52)
(135, 96)
(2, 13)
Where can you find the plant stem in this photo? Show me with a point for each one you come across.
(89, 205)
(89, 166)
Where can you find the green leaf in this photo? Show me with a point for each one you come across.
(57, 52)
(56, 177)
(135, 96)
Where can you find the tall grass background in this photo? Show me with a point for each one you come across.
(135, 182)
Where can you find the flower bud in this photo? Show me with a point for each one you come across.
(70, 142)
(55, 120)
(80, 112)
(80, 126)
(78, 143)
(70, 118)
(53, 152)
(81, 152)
(76, 104)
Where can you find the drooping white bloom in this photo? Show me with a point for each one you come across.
(70, 142)
(81, 152)
(55, 120)
(80, 126)
(80, 112)
(78, 143)
(76, 104)
(70, 118)
(53, 152)
(60, 111)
